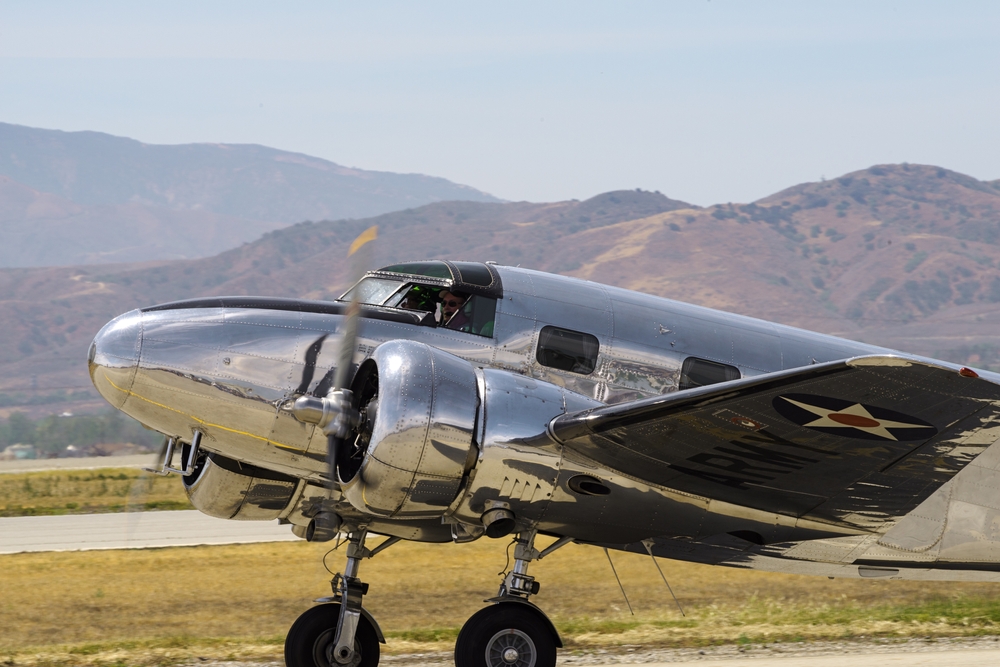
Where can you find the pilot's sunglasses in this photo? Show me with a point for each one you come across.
(452, 304)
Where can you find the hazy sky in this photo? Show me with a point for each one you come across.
(705, 101)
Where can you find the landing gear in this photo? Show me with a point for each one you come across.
(339, 633)
(311, 640)
(505, 635)
(511, 632)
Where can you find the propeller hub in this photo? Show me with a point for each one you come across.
(334, 413)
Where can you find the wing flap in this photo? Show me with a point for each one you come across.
(857, 442)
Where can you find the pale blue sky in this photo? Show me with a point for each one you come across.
(705, 101)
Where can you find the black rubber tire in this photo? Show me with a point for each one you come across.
(314, 630)
(505, 624)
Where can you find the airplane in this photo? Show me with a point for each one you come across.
(448, 401)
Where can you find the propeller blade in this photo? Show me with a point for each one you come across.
(335, 413)
(359, 257)
(334, 446)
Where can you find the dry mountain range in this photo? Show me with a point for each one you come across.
(87, 197)
(901, 255)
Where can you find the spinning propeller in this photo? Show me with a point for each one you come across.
(335, 413)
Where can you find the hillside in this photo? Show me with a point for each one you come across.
(43, 229)
(901, 255)
(88, 197)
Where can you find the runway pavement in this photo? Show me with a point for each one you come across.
(914, 652)
(131, 530)
(949, 659)
(84, 463)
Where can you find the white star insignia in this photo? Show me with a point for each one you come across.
(855, 416)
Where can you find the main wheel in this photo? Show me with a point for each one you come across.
(309, 642)
(505, 635)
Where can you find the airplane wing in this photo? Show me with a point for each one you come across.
(856, 442)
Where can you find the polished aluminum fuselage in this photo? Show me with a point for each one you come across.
(230, 373)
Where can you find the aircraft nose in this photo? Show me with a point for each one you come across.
(114, 357)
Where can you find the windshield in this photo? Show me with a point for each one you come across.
(372, 291)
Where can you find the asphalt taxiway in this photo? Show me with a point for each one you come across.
(914, 652)
(132, 530)
(127, 530)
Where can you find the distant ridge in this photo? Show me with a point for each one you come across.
(901, 255)
(117, 199)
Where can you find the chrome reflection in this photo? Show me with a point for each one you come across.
(114, 356)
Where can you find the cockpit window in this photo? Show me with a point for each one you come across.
(567, 350)
(429, 269)
(481, 311)
(476, 316)
(372, 291)
(416, 297)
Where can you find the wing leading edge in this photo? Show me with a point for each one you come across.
(856, 442)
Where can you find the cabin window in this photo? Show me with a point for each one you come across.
(700, 372)
(567, 350)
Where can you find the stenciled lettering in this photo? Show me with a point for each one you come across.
(733, 465)
(741, 460)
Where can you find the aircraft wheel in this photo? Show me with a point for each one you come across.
(505, 635)
(309, 642)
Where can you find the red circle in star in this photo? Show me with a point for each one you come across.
(852, 420)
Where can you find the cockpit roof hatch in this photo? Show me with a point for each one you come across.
(469, 277)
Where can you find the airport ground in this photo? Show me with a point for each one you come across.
(217, 604)
(235, 602)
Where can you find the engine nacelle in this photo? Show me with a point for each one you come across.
(228, 489)
(422, 436)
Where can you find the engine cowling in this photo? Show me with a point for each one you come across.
(228, 489)
(422, 434)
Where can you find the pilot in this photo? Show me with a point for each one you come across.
(412, 301)
(453, 313)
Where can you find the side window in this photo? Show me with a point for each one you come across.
(567, 350)
(475, 317)
(700, 372)
(482, 312)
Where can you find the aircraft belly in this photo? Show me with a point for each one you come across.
(631, 511)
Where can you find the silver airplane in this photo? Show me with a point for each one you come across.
(443, 401)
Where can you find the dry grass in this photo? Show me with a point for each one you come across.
(88, 492)
(167, 605)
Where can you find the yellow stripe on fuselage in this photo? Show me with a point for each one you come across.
(129, 392)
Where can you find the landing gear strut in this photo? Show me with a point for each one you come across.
(339, 632)
(512, 631)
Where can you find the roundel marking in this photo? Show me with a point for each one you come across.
(850, 418)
